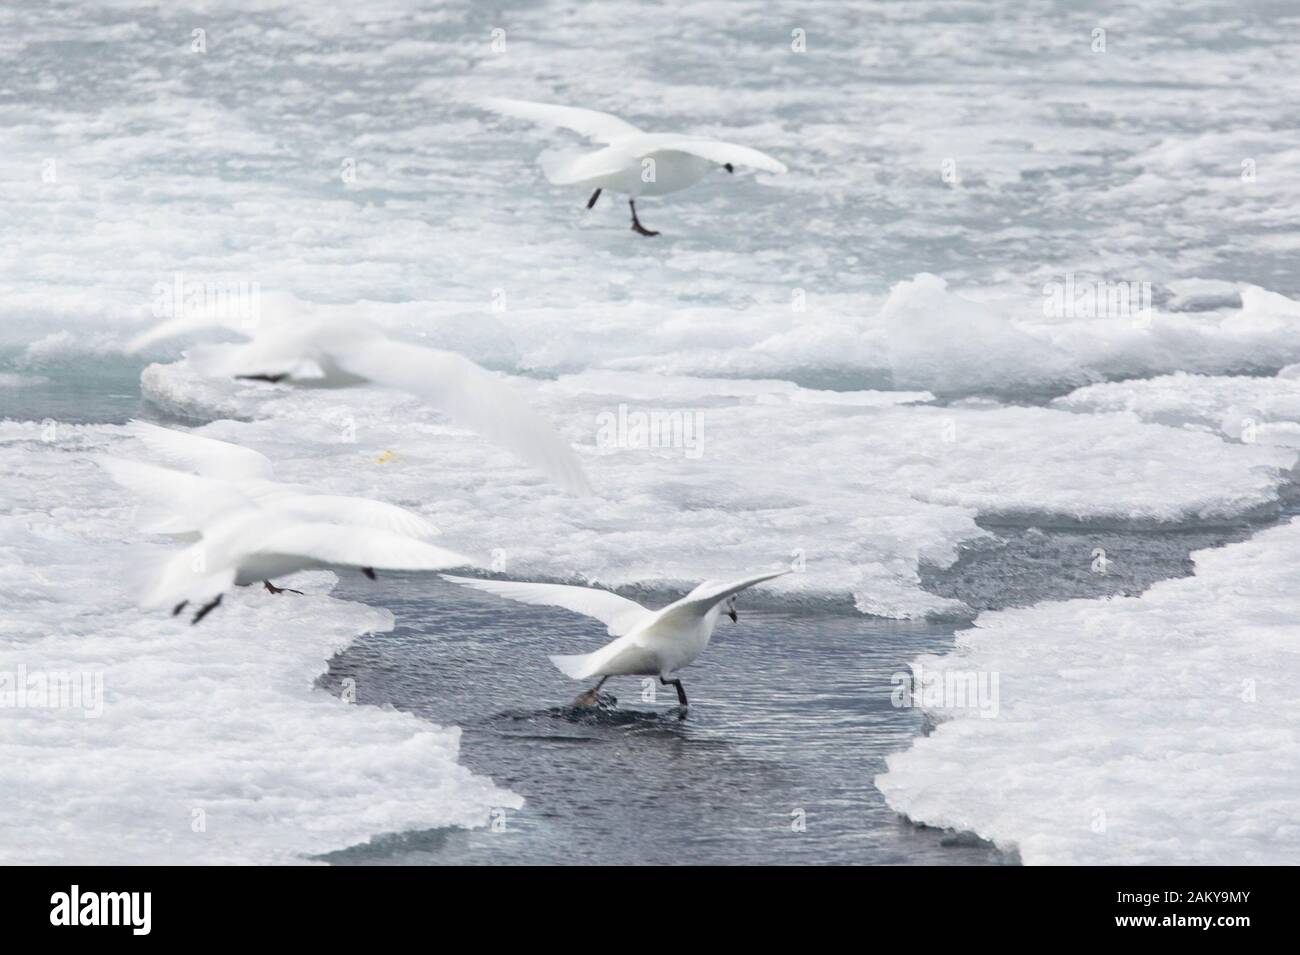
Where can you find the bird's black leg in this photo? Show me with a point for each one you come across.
(206, 609)
(273, 589)
(594, 196)
(176, 611)
(273, 379)
(681, 694)
(637, 227)
(369, 572)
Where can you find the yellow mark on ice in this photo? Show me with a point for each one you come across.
(387, 456)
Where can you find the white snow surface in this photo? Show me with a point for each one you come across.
(211, 744)
(749, 474)
(1159, 729)
(811, 327)
(1249, 409)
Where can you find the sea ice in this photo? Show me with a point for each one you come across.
(1159, 729)
(1239, 407)
(701, 477)
(203, 744)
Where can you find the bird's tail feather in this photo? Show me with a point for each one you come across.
(568, 167)
(575, 666)
(185, 576)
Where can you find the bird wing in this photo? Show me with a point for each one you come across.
(198, 502)
(618, 614)
(717, 151)
(596, 126)
(473, 397)
(209, 457)
(261, 356)
(263, 310)
(342, 509)
(184, 325)
(707, 596)
(335, 544)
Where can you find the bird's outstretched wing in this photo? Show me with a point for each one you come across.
(708, 595)
(342, 546)
(185, 325)
(206, 456)
(618, 614)
(342, 509)
(596, 126)
(197, 502)
(256, 314)
(474, 398)
(722, 153)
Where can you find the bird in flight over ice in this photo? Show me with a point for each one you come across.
(244, 540)
(334, 353)
(630, 161)
(647, 642)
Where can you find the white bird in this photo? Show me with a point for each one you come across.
(648, 642)
(251, 474)
(631, 162)
(249, 544)
(336, 353)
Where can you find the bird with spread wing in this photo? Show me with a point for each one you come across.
(647, 642)
(630, 161)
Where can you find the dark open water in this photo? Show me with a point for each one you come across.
(788, 713)
(791, 716)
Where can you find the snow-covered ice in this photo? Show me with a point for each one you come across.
(857, 357)
(211, 744)
(1159, 729)
(866, 486)
(1248, 409)
(921, 335)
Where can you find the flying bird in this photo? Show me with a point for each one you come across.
(250, 527)
(335, 353)
(647, 642)
(252, 544)
(631, 162)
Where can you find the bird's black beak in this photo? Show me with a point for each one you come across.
(731, 612)
(729, 167)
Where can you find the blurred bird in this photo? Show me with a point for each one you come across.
(334, 353)
(220, 465)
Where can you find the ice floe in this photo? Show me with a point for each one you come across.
(184, 745)
(923, 336)
(716, 476)
(1159, 729)
(1264, 409)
